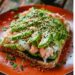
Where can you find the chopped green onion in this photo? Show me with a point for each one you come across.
(4, 28)
(10, 57)
(13, 64)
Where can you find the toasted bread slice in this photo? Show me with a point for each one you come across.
(25, 34)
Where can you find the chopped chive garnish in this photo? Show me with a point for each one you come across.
(10, 57)
(4, 28)
(14, 65)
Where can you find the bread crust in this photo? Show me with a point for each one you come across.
(38, 63)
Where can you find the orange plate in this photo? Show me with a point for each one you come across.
(6, 18)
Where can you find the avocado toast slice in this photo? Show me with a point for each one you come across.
(37, 35)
